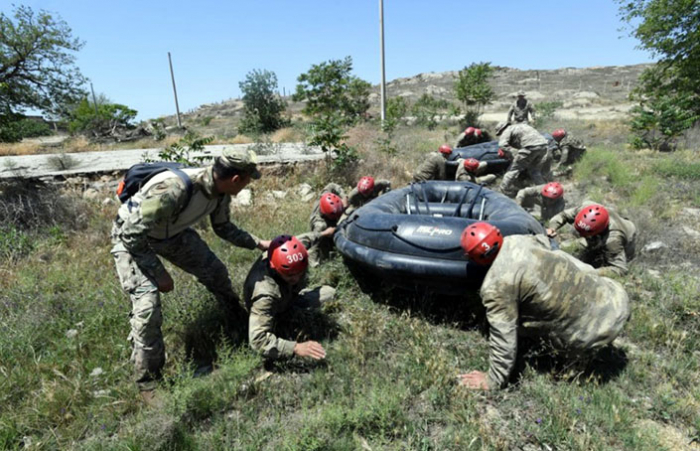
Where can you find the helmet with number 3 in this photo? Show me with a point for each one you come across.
(288, 256)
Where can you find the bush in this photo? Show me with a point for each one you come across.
(180, 151)
(263, 106)
(15, 127)
(545, 111)
(473, 90)
(426, 108)
(84, 119)
(328, 133)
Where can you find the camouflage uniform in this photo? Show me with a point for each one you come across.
(465, 140)
(432, 168)
(267, 297)
(153, 223)
(609, 251)
(569, 151)
(529, 197)
(518, 112)
(356, 200)
(320, 250)
(531, 290)
(530, 150)
(462, 175)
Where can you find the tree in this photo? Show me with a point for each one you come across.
(328, 88)
(473, 90)
(37, 65)
(263, 106)
(109, 117)
(669, 92)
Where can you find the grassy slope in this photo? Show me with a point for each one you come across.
(388, 381)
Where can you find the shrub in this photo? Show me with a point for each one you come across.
(328, 133)
(181, 151)
(426, 108)
(263, 106)
(84, 118)
(15, 127)
(545, 111)
(473, 90)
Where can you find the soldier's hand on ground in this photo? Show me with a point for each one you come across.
(551, 233)
(263, 245)
(474, 380)
(165, 283)
(328, 232)
(310, 349)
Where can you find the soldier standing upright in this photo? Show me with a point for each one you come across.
(528, 148)
(531, 290)
(157, 221)
(433, 167)
(520, 110)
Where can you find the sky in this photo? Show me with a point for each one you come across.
(214, 44)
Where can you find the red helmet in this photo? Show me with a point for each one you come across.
(469, 131)
(591, 220)
(365, 186)
(558, 134)
(471, 164)
(445, 149)
(502, 154)
(287, 255)
(481, 242)
(553, 190)
(477, 133)
(331, 206)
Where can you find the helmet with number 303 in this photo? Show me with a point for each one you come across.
(288, 256)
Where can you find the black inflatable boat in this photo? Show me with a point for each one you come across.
(410, 236)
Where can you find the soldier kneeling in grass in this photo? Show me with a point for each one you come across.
(276, 284)
(327, 213)
(531, 290)
(549, 197)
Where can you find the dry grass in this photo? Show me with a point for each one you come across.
(12, 149)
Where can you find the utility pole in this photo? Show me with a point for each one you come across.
(382, 88)
(172, 76)
(94, 99)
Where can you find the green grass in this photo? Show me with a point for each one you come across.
(389, 379)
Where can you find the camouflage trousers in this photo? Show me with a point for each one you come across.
(188, 252)
(481, 180)
(321, 251)
(528, 160)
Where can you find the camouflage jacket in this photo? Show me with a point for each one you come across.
(611, 250)
(462, 175)
(356, 200)
(531, 290)
(569, 150)
(317, 222)
(518, 136)
(518, 113)
(465, 140)
(528, 197)
(432, 168)
(266, 297)
(156, 212)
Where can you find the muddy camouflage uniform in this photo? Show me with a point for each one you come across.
(529, 148)
(320, 250)
(462, 175)
(529, 197)
(432, 168)
(519, 111)
(569, 151)
(531, 290)
(609, 251)
(153, 223)
(268, 297)
(356, 200)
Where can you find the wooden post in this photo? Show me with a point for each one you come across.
(94, 99)
(172, 76)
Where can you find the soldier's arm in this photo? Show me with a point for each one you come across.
(502, 314)
(225, 229)
(160, 205)
(615, 257)
(504, 142)
(335, 189)
(511, 111)
(260, 326)
(309, 239)
(355, 198)
(317, 223)
(565, 217)
(382, 186)
(532, 111)
(527, 196)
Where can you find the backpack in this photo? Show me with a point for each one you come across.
(139, 174)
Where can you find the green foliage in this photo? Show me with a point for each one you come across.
(14, 243)
(473, 90)
(545, 111)
(158, 129)
(14, 127)
(37, 64)
(396, 109)
(329, 88)
(263, 105)
(206, 120)
(328, 132)
(669, 92)
(84, 119)
(181, 151)
(427, 108)
(677, 168)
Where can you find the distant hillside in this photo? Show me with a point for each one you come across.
(593, 92)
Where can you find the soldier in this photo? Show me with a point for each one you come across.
(468, 170)
(609, 237)
(549, 197)
(519, 111)
(472, 136)
(528, 148)
(326, 213)
(433, 167)
(157, 221)
(367, 189)
(531, 290)
(569, 150)
(275, 284)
